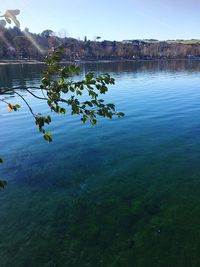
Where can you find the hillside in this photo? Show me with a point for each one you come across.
(17, 44)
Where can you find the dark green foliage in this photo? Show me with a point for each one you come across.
(3, 184)
(62, 93)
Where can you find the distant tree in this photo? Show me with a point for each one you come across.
(98, 38)
(47, 33)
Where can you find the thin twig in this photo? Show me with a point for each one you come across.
(43, 92)
(21, 87)
(4, 90)
(42, 98)
(26, 103)
(24, 87)
(4, 101)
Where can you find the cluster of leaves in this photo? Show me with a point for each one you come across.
(64, 94)
(13, 107)
(10, 16)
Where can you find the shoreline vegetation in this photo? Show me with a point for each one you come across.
(32, 62)
(19, 61)
(18, 46)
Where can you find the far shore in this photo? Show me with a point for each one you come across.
(7, 61)
(34, 61)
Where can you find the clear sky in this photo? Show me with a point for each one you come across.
(111, 19)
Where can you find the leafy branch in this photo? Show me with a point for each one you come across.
(62, 94)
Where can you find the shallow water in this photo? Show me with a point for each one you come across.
(122, 193)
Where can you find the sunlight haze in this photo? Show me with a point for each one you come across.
(112, 20)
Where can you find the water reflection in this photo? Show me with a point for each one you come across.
(20, 74)
(146, 66)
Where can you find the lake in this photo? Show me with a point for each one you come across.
(123, 193)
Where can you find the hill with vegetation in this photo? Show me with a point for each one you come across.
(16, 45)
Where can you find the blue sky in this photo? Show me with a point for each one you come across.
(112, 20)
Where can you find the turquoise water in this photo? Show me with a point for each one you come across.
(122, 193)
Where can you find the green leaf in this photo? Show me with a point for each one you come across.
(120, 114)
(93, 121)
(49, 133)
(62, 110)
(16, 107)
(84, 119)
(3, 184)
(47, 137)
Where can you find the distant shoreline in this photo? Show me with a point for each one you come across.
(32, 62)
(13, 62)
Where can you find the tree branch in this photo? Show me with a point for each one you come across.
(26, 88)
(4, 101)
(26, 103)
(41, 98)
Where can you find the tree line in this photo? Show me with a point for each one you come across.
(18, 44)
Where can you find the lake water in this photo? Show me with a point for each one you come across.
(123, 193)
